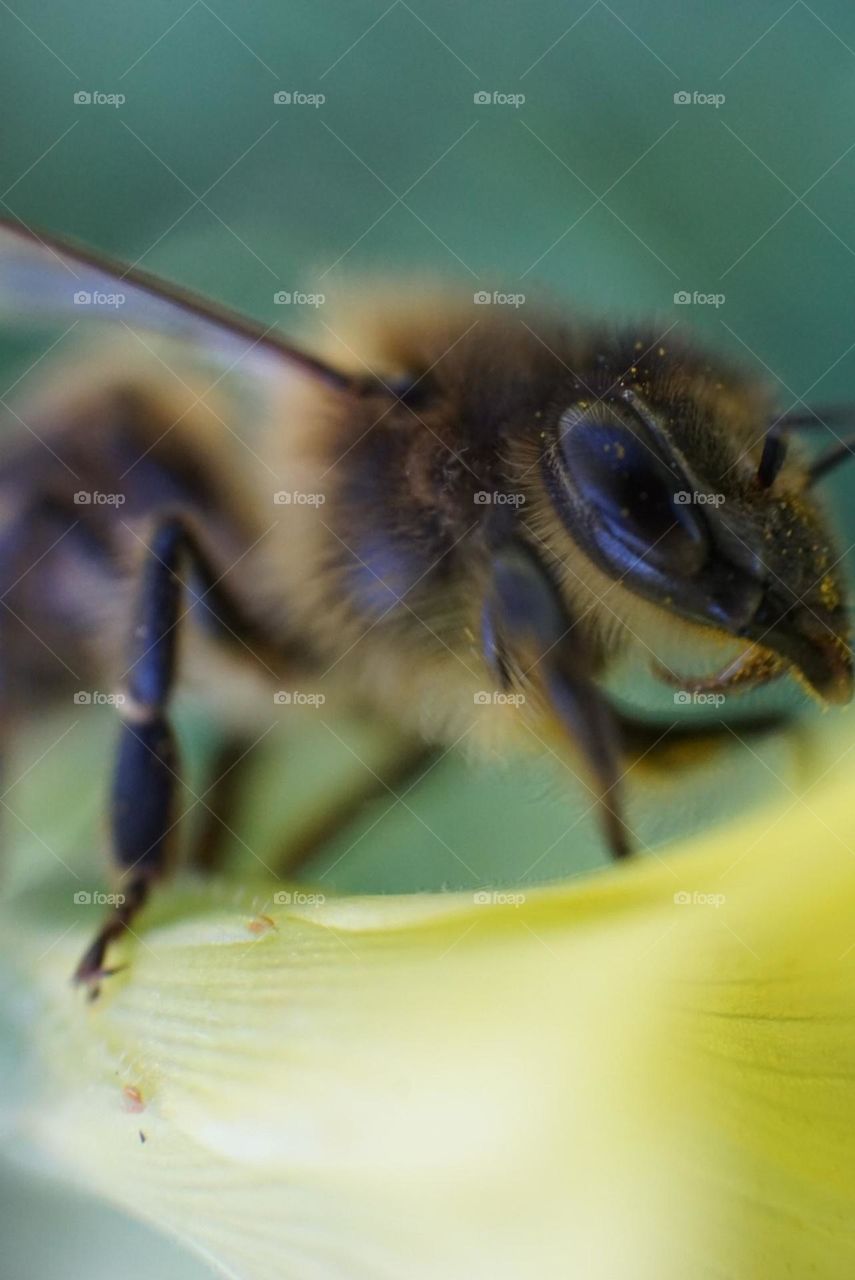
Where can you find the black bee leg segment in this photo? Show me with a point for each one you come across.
(226, 772)
(528, 619)
(665, 752)
(146, 777)
(90, 969)
(142, 805)
(586, 714)
(396, 775)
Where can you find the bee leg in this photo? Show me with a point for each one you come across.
(529, 631)
(391, 781)
(141, 823)
(399, 771)
(227, 771)
(753, 667)
(664, 751)
(146, 775)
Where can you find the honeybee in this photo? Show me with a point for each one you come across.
(477, 504)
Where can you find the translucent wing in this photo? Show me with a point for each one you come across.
(47, 277)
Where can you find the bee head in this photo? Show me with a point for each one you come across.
(670, 484)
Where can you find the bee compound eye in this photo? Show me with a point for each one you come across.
(631, 497)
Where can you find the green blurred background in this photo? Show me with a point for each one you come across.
(599, 187)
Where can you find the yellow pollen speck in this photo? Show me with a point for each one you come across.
(829, 593)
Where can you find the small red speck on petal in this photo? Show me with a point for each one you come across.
(133, 1099)
(261, 924)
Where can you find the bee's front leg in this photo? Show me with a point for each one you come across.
(527, 630)
(146, 777)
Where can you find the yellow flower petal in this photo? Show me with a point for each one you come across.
(648, 1073)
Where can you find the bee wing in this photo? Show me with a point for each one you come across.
(44, 277)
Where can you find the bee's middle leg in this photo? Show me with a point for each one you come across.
(146, 776)
(391, 781)
(227, 773)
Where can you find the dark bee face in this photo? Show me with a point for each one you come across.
(693, 530)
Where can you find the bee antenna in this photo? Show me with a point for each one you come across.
(829, 461)
(772, 458)
(823, 416)
(775, 444)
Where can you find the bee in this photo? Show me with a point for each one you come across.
(480, 510)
